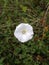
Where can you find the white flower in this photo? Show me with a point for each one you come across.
(23, 32)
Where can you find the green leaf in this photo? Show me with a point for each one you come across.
(24, 8)
(1, 61)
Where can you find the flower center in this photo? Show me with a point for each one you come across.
(24, 31)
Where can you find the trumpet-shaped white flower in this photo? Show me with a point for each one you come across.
(23, 32)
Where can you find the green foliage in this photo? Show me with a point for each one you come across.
(33, 52)
(1, 61)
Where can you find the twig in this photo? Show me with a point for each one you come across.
(46, 13)
(43, 20)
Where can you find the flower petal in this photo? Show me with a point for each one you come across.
(24, 37)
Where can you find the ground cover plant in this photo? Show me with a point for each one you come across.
(36, 50)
